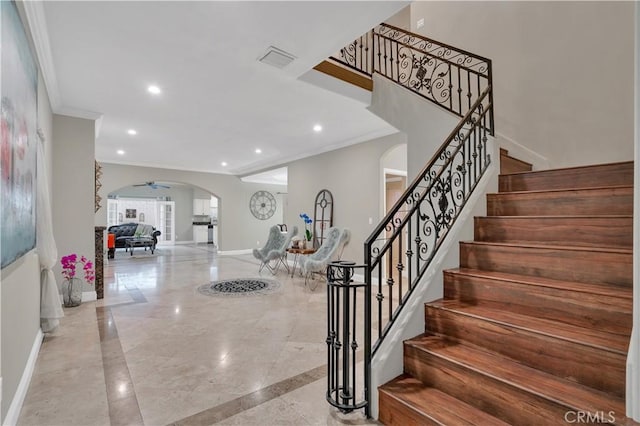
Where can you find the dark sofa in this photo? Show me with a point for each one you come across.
(125, 231)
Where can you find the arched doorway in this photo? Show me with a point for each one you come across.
(182, 212)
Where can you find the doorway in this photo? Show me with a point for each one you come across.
(157, 213)
(394, 184)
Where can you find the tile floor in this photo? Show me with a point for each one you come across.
(154, 351)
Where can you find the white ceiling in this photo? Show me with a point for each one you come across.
(218, 102)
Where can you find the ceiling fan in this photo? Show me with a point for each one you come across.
(153, 185)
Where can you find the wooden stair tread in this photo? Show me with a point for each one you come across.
(555, 247)
(510, 164)
(536, 321)
(598, 175)
(616, 165)
(608, 342)
(438, 406)
(584, 231)
(557, 190)
(591, 200)
(570, 394)
(598, 289)
(571, 263)
(570, 216)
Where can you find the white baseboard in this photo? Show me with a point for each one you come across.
(18, 398)
(88, 296)
(521, 152)
(234, 252)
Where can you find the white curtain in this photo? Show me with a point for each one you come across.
(50, 303)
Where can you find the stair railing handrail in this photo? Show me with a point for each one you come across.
(425, 213)
(446, 51)
(412, 189)
(404, 244)
(457, 61)
(419, 42)
(451, 78)
(447, 180)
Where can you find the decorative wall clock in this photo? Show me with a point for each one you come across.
(262, 205)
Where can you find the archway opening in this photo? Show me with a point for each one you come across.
(184, 213)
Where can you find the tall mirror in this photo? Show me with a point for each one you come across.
(323, 216)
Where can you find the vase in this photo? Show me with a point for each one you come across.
(72, 292)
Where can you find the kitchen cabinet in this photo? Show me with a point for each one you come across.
(200, 234)
(201, 207)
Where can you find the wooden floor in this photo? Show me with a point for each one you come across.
(534, 325)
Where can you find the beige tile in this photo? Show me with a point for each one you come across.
(305, 401)
(273, 413)
(183, 355)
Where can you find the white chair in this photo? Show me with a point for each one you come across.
(275, 249)
(334, 243)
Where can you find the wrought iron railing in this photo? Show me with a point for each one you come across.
(358, 55)
(447, 76)
(401, 248)
(347, 337)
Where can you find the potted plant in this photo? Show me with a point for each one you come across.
(307, 232)
(72, 286)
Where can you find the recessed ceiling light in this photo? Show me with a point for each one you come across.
(258, 151)
(120, 152)
(317, 128)
(224, 164)
(154, 89)
(132, 132)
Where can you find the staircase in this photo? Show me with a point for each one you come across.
(535, 323)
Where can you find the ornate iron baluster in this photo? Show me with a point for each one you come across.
(342, 337)
(421, 64)
(433, 201)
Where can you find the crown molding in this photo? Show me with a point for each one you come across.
(34, 11)
(285, 160)
(37, 23)
(78, 113)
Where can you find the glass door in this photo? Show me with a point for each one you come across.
(112, 212)
(166, 222)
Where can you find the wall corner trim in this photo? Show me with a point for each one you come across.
(18, 399)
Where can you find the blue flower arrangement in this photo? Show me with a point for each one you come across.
(307, 222)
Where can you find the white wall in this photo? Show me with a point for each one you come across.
(20, 296)
(73, 188)
(425, 124)
(20, 321)
(562, 71)
(396, 158)
(352, 174)
(238, 230)
(402, 19)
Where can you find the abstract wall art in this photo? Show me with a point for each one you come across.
(19, 138)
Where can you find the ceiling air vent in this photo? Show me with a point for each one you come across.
(277, 57)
